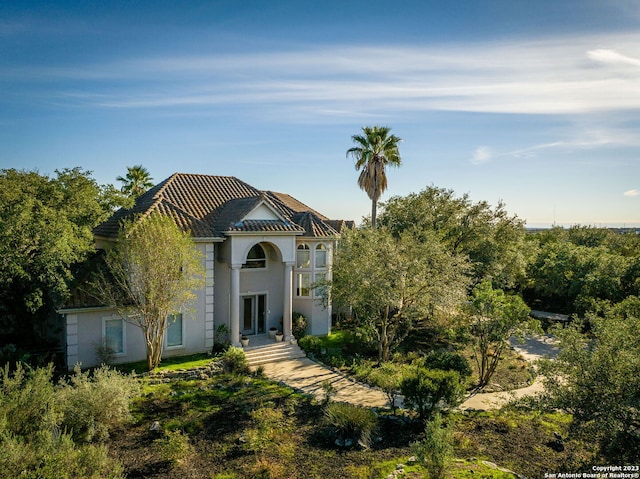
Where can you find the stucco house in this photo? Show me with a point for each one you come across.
(261, 250)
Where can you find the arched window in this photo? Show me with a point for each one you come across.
(303, 256)
(321, 256)
(256, 258)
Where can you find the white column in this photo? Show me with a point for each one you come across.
(235, 304)
(288, 301)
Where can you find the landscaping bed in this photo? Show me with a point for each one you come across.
(225, 426)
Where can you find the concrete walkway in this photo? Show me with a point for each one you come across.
(308, 376)
(533, 349)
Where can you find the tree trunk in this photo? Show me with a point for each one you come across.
(374, 206)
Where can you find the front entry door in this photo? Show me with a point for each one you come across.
(253, 313)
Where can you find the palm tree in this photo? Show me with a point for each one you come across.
(136, 182)
(375, 150)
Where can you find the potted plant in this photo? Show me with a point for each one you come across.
(272, 332)
(279, 336)
(244, 340)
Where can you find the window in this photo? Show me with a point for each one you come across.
(175, 331)
(321, 256)
(303, 256)
(303, 284)
(256, 258)
(113, 334)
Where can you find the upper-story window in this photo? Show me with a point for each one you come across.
(321, 256)
(256, 258)
(303, 256)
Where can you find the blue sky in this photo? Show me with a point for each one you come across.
(533, 103)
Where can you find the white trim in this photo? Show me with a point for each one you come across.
(264, 233)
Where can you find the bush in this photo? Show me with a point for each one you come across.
(351, 422)
(436, 450)
(175, 447)
(448, 361)
(426, 390)
(31, 440)
(311, 344)
(234, 361)
(51, 456)
(388, 377)
(299, 325)
(94, 404)
(27, 400)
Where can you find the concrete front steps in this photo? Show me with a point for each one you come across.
(277, 351)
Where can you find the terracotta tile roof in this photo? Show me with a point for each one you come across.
(314, 226)
(292, 205)
(210, 206)
(266, 225)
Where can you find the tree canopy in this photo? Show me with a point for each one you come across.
(491, 238)
(392, 283)
(596, 378)
(582, 269)
(45, 229)
(493, 318)
(152, 271)
(375, 150)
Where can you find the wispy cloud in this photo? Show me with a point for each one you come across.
(632, 193)
(612, 57)
(572, 75)
(482, 154)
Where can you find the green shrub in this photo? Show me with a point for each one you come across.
(234, 361)
(94, 404)
(299, 325)
(48, 455)
(426, 390)
(388, 377)
(311, 344)
(174, 447)
(436, 450)
(351, 422)
(27, 400)
(31, 438)
(448, 361)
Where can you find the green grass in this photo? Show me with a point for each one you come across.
(167, 364)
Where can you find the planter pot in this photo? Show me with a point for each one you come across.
(244, 342)
(272, 333)
(279, 337)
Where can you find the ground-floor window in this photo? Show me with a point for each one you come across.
(303, 284)
(113, 334)
(175, 331)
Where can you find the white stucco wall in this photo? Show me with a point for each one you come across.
(84, 328)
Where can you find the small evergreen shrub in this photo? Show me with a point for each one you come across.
(234, 361)
(351, 422)
(435, 451)
(299, 325)
(311, 344)
(448, 361)
(94, 404)
(427, 390)
(174, 447)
